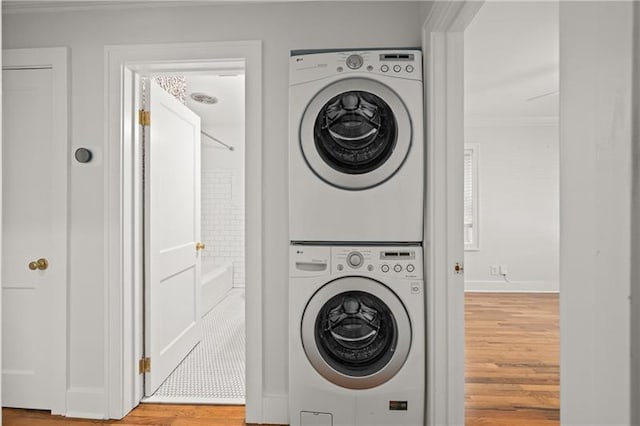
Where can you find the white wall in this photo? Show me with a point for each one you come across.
(1, 236)
(595, 183)
(223, 175)
(518, 208)
(282, 27)
(635, 233)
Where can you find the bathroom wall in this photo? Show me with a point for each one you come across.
(223, 173)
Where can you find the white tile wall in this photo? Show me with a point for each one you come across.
(223, 222)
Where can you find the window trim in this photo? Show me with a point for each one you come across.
(474, 147)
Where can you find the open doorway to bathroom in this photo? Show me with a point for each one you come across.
(511, 214)
(213, 370)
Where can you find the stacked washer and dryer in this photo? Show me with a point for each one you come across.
(356, 289)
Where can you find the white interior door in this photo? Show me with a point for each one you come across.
(172, 231)
(34, 227)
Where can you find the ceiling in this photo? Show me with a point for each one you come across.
(228, 89)
(512, 63)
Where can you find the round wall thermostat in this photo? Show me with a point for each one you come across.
(83, 155)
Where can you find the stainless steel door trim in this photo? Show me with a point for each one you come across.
(364, 180)
(386, 295)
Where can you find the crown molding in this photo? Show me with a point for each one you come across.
(27, 6)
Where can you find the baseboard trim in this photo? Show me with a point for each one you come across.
(275, 409)
(86, 403)
(511, 287)
(513, 291)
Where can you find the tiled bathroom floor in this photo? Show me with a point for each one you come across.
(214, 372)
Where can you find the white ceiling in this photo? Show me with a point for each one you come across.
(512, 62)
(228, 89)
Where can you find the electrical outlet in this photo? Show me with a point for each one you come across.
(494, 270)
(503, 270)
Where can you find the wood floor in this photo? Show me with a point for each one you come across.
(512, 377)
(512, 359)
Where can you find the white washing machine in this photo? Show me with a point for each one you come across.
(356, 146)
(357, 336)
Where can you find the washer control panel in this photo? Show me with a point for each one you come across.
(398, 262)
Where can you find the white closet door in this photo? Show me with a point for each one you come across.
(32, 211)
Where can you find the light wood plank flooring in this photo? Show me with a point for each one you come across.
(512, 377)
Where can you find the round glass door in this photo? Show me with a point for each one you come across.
(356, 332)
(355, 133)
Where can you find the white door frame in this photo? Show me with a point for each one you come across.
(56, 59)
(443, 50)
(121, 372)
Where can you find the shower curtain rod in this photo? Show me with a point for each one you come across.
(229, 147)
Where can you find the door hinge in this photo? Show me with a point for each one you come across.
(459, 268)
(144, 365)
(144, 117)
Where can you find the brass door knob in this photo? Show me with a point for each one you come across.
(40, 264)
(199, 246)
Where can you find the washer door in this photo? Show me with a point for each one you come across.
(355, 133)
(356, 332)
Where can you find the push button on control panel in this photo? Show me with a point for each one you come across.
(409, 68)
(410, 268)
(397, 68)
(384, 268)
(384, 68)
(397, 267)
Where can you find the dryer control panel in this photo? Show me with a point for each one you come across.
(401, 63)
(397, 262)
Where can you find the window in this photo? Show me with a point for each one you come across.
(471, 154)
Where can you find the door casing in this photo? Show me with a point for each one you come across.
(443, 52)
(123, 337)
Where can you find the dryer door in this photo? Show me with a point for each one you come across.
(355, 133)
(356, 332)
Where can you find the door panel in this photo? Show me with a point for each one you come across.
(29, 233)
(356, 332)
(355, 134)
(172, 229)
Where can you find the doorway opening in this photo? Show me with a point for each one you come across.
(511, 213)
(124, 66)
(192, 316)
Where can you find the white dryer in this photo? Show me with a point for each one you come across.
(356, 146)
(357, 336)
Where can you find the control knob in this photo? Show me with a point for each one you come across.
(355, 259)
(354, 62)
